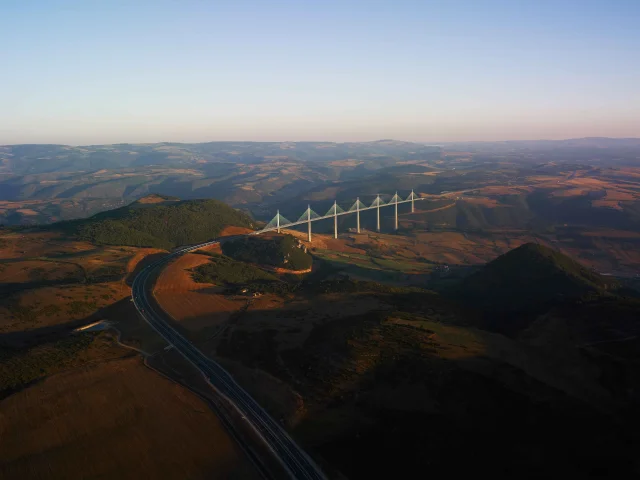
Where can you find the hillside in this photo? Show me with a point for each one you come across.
(529, 277)
(159, 222)
(283, 251)
(418, 389)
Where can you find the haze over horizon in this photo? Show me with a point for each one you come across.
(78, 73)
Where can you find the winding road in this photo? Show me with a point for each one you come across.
(297, 463)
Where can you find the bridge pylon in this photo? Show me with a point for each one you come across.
(377, 204)
(309, 223)
(335, 219)
(396, 207)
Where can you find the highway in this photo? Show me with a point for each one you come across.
(297, 463)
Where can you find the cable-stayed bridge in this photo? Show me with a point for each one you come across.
(309, 216)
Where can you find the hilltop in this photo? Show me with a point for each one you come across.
(530, 277)
(280, 251)
(157, 221)
(154, 198)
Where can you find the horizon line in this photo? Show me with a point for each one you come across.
(426, 143)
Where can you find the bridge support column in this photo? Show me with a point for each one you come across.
(335, 219)
(378, 213)
(412, 206)
(309, 223)
(396, 211)
(358, 215)
(278, 220)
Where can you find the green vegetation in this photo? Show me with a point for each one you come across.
(279, 251)
(106, 273)
(529, 277)
(78, 307)
(160, 226)
(19, 368)
(225, 270)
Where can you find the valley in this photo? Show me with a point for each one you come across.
(507, 302)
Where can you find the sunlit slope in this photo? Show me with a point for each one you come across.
(160, 224)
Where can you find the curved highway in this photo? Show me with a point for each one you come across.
(298, 464)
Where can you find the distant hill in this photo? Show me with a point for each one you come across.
(158, 221)
(154, 198)
(529, 277)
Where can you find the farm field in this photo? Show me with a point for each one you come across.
(57, 280)
(195, 306)
(90, 406)
(114, 419)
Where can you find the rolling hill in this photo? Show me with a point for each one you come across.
(157, 221)
(284, 251)
(530, 276)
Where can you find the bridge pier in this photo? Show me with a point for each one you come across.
(335, 219)
(396, 206)
(278, 223)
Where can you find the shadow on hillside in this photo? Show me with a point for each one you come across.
(39, 336)
(8, 289)
(148, 260)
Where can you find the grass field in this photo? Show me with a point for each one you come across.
(194, 305)
(57, 280)
(116, 419)
(79, 404)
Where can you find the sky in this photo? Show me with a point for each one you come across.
(92, 72)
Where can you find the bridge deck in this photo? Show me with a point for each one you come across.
(315, 219)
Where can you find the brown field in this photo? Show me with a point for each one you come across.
(448, 247)
(215, 248)
(483, 201)
(37, 270)
(23, 245)
(351, 162)
(140, 254)
(620, 195)
(103, 415)
(48, 306)
(610, 252)
(27, 211)
(58, 281)
(325, 242)
(232, 230)
(571, 192)
(504, 190)
(153, 198)
(116, 419)
(606, 204)
(176, 277)
(194, 305)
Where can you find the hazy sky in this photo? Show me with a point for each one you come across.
(89, 71)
